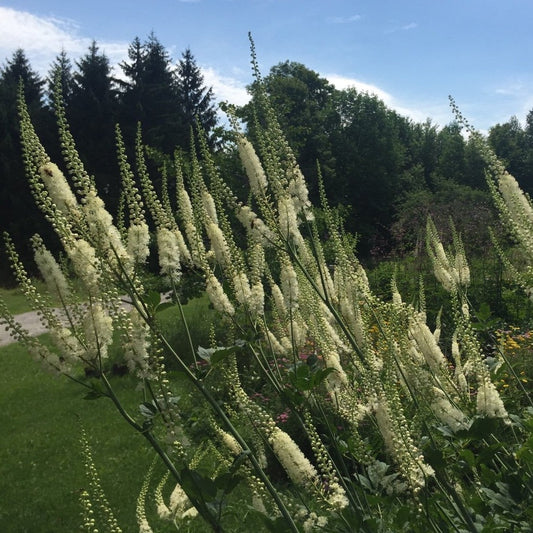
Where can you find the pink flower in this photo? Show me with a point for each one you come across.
(283, 417)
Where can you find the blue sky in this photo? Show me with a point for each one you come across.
(412, 53)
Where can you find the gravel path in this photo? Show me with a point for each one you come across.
(29, 321)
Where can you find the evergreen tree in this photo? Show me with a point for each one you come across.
(195, 100)
(18, 214)
(150, 95)
(62, 68)
(92, 114)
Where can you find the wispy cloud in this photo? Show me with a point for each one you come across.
(515, 94)
(343, 20)
(42, 38)
(404, 27)
(516, 88)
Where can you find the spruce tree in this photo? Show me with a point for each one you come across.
(92, 114)
(61, 67)
(195, 100)
(149, 95)
(18, 214)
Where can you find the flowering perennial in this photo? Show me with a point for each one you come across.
(307, 346)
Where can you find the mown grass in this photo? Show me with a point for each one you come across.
(41, 415)
(15, 300)
(41, 461)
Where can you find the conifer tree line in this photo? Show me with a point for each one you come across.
(384, 172)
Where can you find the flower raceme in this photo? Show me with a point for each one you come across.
(58, 188)
(169, 254)
(138, 241)
(56, 281)
(252, 165)
(371, 359)
(298, 467)
(451, 271)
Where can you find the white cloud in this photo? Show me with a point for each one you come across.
(343, 20)
(225, 88)
(440, 113)
(514, 97)
(43, 37)
(342, 82)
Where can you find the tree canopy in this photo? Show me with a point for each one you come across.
(375, 164)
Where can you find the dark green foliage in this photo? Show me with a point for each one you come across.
(470, 209)
(62, 68)
(511, 144)
(451, 162)
(370, 161)
(18, 214)
(92, 114)
(195, 101)
(379, 166)
(149, 95)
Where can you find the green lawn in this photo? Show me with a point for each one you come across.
(41, 465)
(15, 300)
(40, 455)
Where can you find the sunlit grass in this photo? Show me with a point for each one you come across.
(42, 466)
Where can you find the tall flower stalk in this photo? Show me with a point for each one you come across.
(361, 380)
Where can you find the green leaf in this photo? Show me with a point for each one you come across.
(365, 482)
(468, 456)
(435, 458)
(215, 355)
(498, 499)
(525, 453)
(484, 311)
(97, 391)
(152, 299)
(227, 482)
(220, 355)
(148, 409)
(321, 374)
(197, 485)
(205, 353)
(480, 428)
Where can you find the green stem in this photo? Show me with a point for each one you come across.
(242, 443)
(149, 436)
(184, 322)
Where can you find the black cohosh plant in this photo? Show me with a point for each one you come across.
(386, 433)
